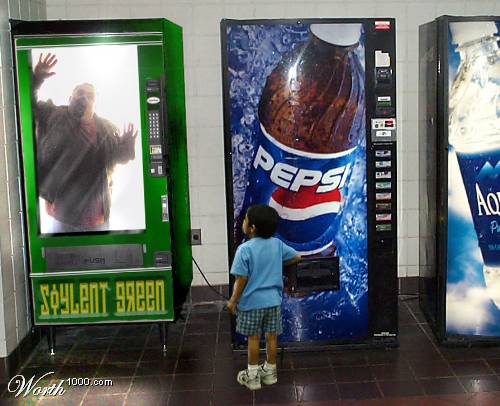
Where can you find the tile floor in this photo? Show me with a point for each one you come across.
(200, 368)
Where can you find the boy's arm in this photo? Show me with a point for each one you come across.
(292, 261)
(239, 284)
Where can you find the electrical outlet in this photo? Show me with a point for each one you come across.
(196, 236)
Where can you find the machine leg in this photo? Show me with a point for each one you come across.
(163, 336)
(51, 340)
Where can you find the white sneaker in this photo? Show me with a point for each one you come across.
(267, 376)
(244, 379)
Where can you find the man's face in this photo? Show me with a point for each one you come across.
(82, 101)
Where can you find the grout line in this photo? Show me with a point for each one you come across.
(151, 328)
(437, 348)
(98, 367)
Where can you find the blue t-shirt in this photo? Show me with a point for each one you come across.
(261, 261)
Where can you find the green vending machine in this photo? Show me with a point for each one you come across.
(103, 159)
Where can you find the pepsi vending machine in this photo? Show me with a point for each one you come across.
(459, 100)
(310, 130)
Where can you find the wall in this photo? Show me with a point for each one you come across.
(14, 317)
(200, 20)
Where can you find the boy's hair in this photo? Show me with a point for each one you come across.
(264, 218)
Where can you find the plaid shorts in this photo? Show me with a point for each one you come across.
(254, 322)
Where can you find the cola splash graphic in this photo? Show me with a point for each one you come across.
(253, 53)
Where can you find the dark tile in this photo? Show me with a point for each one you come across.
(204, 294)
(65, 400)
(105, 400)
(421, 354)
(489, 352)
(399, 371)
(484, 399)
(310, 393)
(223, 350)
(155, 354)
(196, 366)
(92, 344)
(384, 356)
(313, 376)
(131, 343)
(147, 399)
(276, 394)
(206, 308)
(119, 356)
(365, 390)
(199, 339)
(494, 364)
(40, 358)
(116, 370)
(234, 363)
(93, 332)
(197, 352)
(226, 338)
(190, 398)
(474, 367)
(89, 357)
(307, 360)
(212, 318)
(139, 329)
(234, 396)
(199, 327)
(188, 382)
(225, 374)
(285, 377)
(353, 374)
(348, 358)
(149, 384)
(432, 370)
(401, 388)
(441, 386)
(160, 367)
(38, 371)
(459, 354)
(110, 386)
(77, 371)
(224, 326)
(488, 383)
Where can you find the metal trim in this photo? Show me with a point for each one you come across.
(99, 271)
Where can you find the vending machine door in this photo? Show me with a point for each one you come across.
(94, 152)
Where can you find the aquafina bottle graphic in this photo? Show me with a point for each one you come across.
(474, 135)
(311, 113)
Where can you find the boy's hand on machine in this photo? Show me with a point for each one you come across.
(231, 306)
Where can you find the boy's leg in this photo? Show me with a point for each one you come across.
(248, 323)
(250, 377)
(253, 350)
(272, 327)
(271, 348)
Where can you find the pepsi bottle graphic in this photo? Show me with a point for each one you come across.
(311, 113)
(474, 135)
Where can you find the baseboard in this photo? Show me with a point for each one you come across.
(10, 364)
(408, 285)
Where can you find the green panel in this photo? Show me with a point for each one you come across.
(103, 297)
(176, 110)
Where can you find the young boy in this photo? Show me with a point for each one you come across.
(257, 292)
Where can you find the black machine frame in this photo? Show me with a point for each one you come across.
(433, 177)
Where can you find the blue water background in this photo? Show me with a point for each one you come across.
(253, 52)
